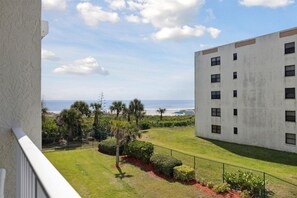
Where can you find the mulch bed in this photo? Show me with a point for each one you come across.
(150, 170)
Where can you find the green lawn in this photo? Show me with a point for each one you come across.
(280, 164)
(92, 174)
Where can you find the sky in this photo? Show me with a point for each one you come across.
(144, 49)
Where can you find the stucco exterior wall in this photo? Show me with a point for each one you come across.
(260, 86)
(20, 79)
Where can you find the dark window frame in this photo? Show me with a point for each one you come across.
(216, 112)
(234, 93)
(291, 138)
(215, 61)
(289, 71)
(234, 56)
(215, 78)
(216, 129)
(215, 95)
(234, 75)
(290, 118)
(290, 93)
(235, 112)
(235, 131)
(290, 48)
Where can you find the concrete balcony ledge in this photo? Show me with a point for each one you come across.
(36, 176)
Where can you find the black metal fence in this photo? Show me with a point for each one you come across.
(213, 171)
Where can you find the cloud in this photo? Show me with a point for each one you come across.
(266, 3)
(133, 18)
(49, 55)
(116, 4)
(92, 14)
(54, 5)
(176, 33)
(84, 66)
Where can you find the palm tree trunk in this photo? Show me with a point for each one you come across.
(117, 154)
(161, 116)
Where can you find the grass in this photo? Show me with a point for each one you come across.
(93, 174)
(280, 164)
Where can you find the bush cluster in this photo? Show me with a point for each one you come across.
(222, 188)
(165, 164)
(184, 173)
(108, 146)
(144, 126)
(245, 181)
(168, 121)
(140, 150)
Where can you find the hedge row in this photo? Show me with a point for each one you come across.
(148, 125)
(165, 164)
(184, 173)
(108, 146)
(139, 150)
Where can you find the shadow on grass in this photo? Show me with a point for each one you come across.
(122, 174)
(259, 153)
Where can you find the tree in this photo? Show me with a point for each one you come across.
(82, 107)
(137, 109)
(118, 107)
(126, 113)
(44, 111)
(123, 132)
(71, 120)
(161, 111)
(97, 111)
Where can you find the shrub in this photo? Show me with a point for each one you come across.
(140, 150)
(222, 188)
(245, 181)
(203, 182)
(108, 146)
(245, 194)
(144, 125)
(183, 173)
(165, 164)
(210, 184)
(101, 135)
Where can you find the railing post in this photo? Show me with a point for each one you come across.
(171, 152)
(223, 172)
(194, 162)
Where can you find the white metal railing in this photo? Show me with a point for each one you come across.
(36, 176)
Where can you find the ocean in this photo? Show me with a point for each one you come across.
(150, 106)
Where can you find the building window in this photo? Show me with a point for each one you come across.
(290, 116)
(216, 129)
(235, 112)
(235, 130)
(290, 93)
(216, 112)
(235, 56)
(290, 48)
(215, 95)
(290, 70)
(215, 61)
(235, 93)
(215, 78)
(290, 138)
(234, 75)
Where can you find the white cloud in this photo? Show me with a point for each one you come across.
(54, 4)
(176, 33)
(133, 18)
(266, 3)
(49, 55)
(92, 14)
(84, 66)
(116, 4)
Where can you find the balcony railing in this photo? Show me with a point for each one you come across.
(36, 176)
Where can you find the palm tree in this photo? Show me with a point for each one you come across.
(81, 106)
(97, 111)
(44, 111)
(161, 111)
(71, 119)
(123, 132)
(137, 109)
(117, 106)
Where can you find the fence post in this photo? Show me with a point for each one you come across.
(223, 172)
(194, 162)
(264, 190)
(171, 152)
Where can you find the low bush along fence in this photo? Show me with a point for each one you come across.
(140, 150)
(108, 146)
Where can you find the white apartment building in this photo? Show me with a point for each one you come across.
(245, 92)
